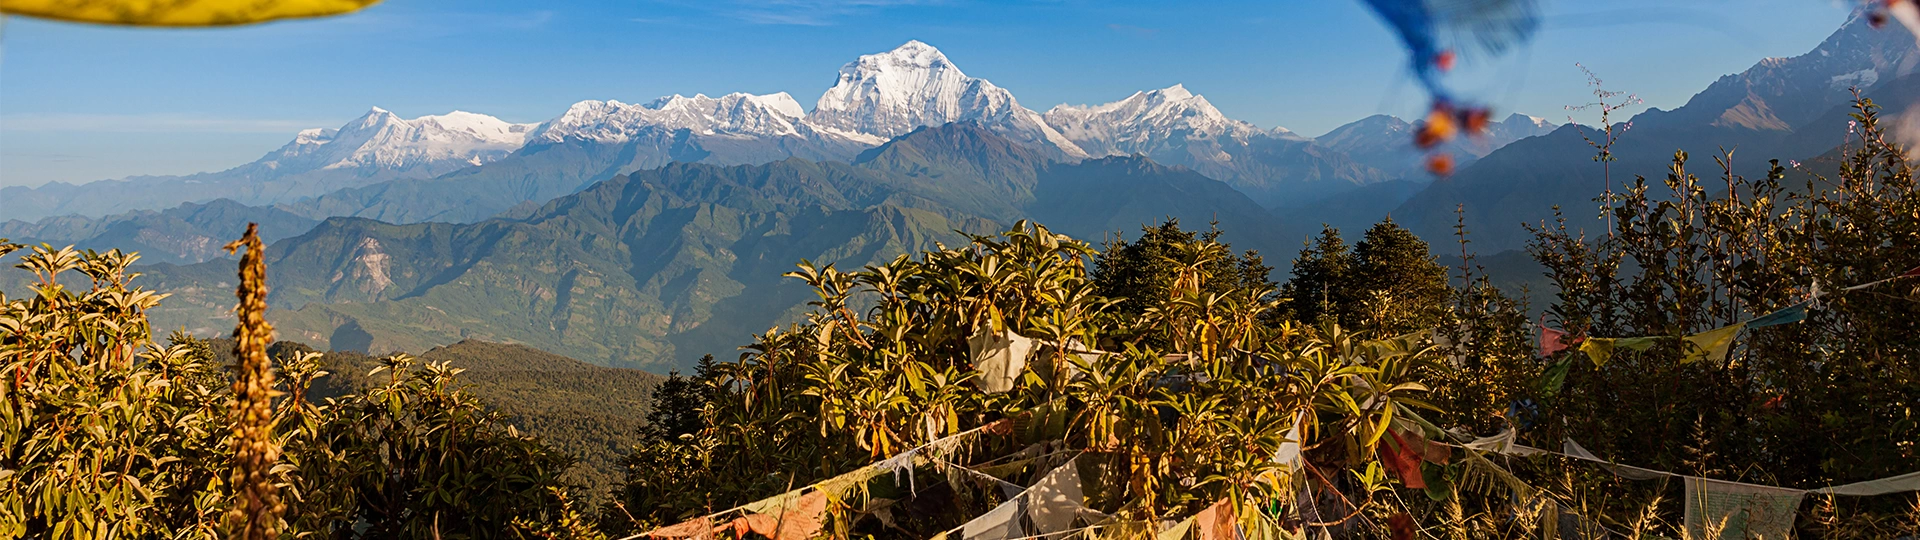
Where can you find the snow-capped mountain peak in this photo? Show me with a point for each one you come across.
(1147, 119)
(732, 115)
(382, 140)
(885, 95)
(1525, 122)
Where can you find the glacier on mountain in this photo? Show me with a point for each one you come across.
(381, 139)
(886, 95)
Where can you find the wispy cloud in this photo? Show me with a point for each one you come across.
(795, 12)
(1134, 31)
(150, 123)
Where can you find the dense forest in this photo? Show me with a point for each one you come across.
(1028, 384)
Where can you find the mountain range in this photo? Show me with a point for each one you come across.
(410, 170)
(647, 235)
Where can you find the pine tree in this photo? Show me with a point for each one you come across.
(1397, 285)
(1320, 275)
(1140, 272)
(677, 405)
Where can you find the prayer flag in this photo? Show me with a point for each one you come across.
(1601, 349)
(1551, 341)
(1000, 358)
(700, 528)
(1883, 486)
(1790, 314)
(1001, 523)
(1711, 345)
(1217, 521)
(1056, 499)
(1403, 460)
(1740, 511)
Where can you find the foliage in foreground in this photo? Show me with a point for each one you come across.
(1827, 401)
(1197, 395)
(106, 434)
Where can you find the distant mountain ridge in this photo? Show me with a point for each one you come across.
(375, 147)
(185, 234)
(384, 167)
(1385, 142)
(1781, 108)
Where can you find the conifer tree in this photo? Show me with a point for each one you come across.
(1397, 286)
(1320, 278)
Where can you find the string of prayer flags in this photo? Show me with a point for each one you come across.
(1883, 486)
(902, 463)
(1712, 344)
(1502, 443)
(1000, 358)
(1573, 449)
(1915, 272)
(1049, 506)
(1739, 511)
(797, 518)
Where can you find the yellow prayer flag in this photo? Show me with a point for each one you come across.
(179, 12)
(1601, 349)
(1711, 344)
(1598, 349)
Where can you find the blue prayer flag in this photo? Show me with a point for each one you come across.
(1790, 314)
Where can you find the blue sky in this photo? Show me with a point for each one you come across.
(81, 103)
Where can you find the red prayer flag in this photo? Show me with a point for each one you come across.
(1404, 460)
(1915, 272)
(1552, 341)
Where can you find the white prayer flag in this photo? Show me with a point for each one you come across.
(1741, 511)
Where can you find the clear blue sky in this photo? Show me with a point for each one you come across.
(81, 103)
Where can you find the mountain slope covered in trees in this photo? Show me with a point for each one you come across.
(658, 267)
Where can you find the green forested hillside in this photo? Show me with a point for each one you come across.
(659, 267)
